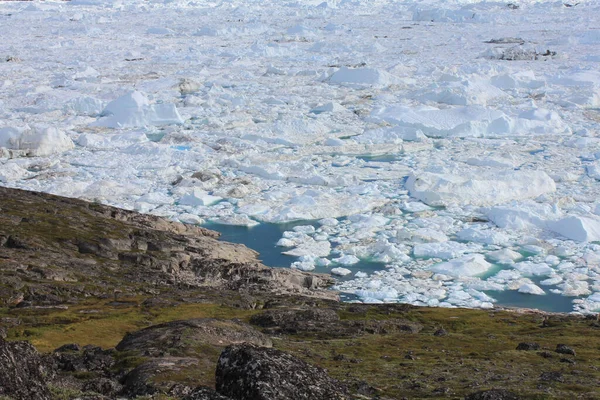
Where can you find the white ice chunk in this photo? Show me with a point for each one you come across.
(303, 265)
(443, 250)
(378, 295)
(312, 248)
(471, 265)
(330, 107)
(478, 187)
(363, 77)
(504, 256)
(306, 229)
(328, 222)
(486, 236)
(531, 288)
(198, 197)
(469, 121)
(11, 171)
(236, 219)
(347, 259)
(340, 271)
(85, 105)
(187, 218)
(134, 110)
(38, 140)
(551, 281)
(575, 288)
(528, 268)
(579, 228)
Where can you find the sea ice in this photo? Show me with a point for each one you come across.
(11, 171)
(531, 288)
(135, 110)
(340, 271)
(358, 77)
(443, 250)
(198, 197)
(310, 248)
(36, 140)
(579, 228)
(504, 256)
(478, 187)
(471, 265)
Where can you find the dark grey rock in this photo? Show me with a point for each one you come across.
(246, 371)
(90, 358)
(140, 381)
(545, 354)
(528, 346)
(552, 376)
(440, 332)
(22, 372)
(564, 349)
(68, 347)
(103, 386)
(204, 393)
(493, 394)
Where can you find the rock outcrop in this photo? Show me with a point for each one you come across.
(67, 248)
(182, 338)
(246, 371)
(22, 373)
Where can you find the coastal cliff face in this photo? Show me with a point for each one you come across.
(102, 303)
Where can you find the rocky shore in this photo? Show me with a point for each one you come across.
(103, 303)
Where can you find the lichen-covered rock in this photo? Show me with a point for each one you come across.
(106, 387)
(22, 372)
(205, 393)
(525, 346)
(493, 394)
(89, 358)
(140, 381)
(564, 349)
(182, 338)
(246, 371)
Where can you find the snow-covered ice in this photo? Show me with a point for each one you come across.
(457, 148)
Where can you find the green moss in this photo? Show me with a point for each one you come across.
(128, 360)
(60, 393)
(478, 353)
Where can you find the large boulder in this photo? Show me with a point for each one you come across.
(246, 371)
(205, 393)
(151, 376)
(183, 338)
(21, 372)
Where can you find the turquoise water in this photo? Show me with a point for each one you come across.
(262, 238)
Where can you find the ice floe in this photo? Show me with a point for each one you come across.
(449, 159)
(478, 187)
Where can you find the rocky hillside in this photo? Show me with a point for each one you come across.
(102, 303)
(56, 250)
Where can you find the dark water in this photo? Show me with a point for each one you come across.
(262, 238)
